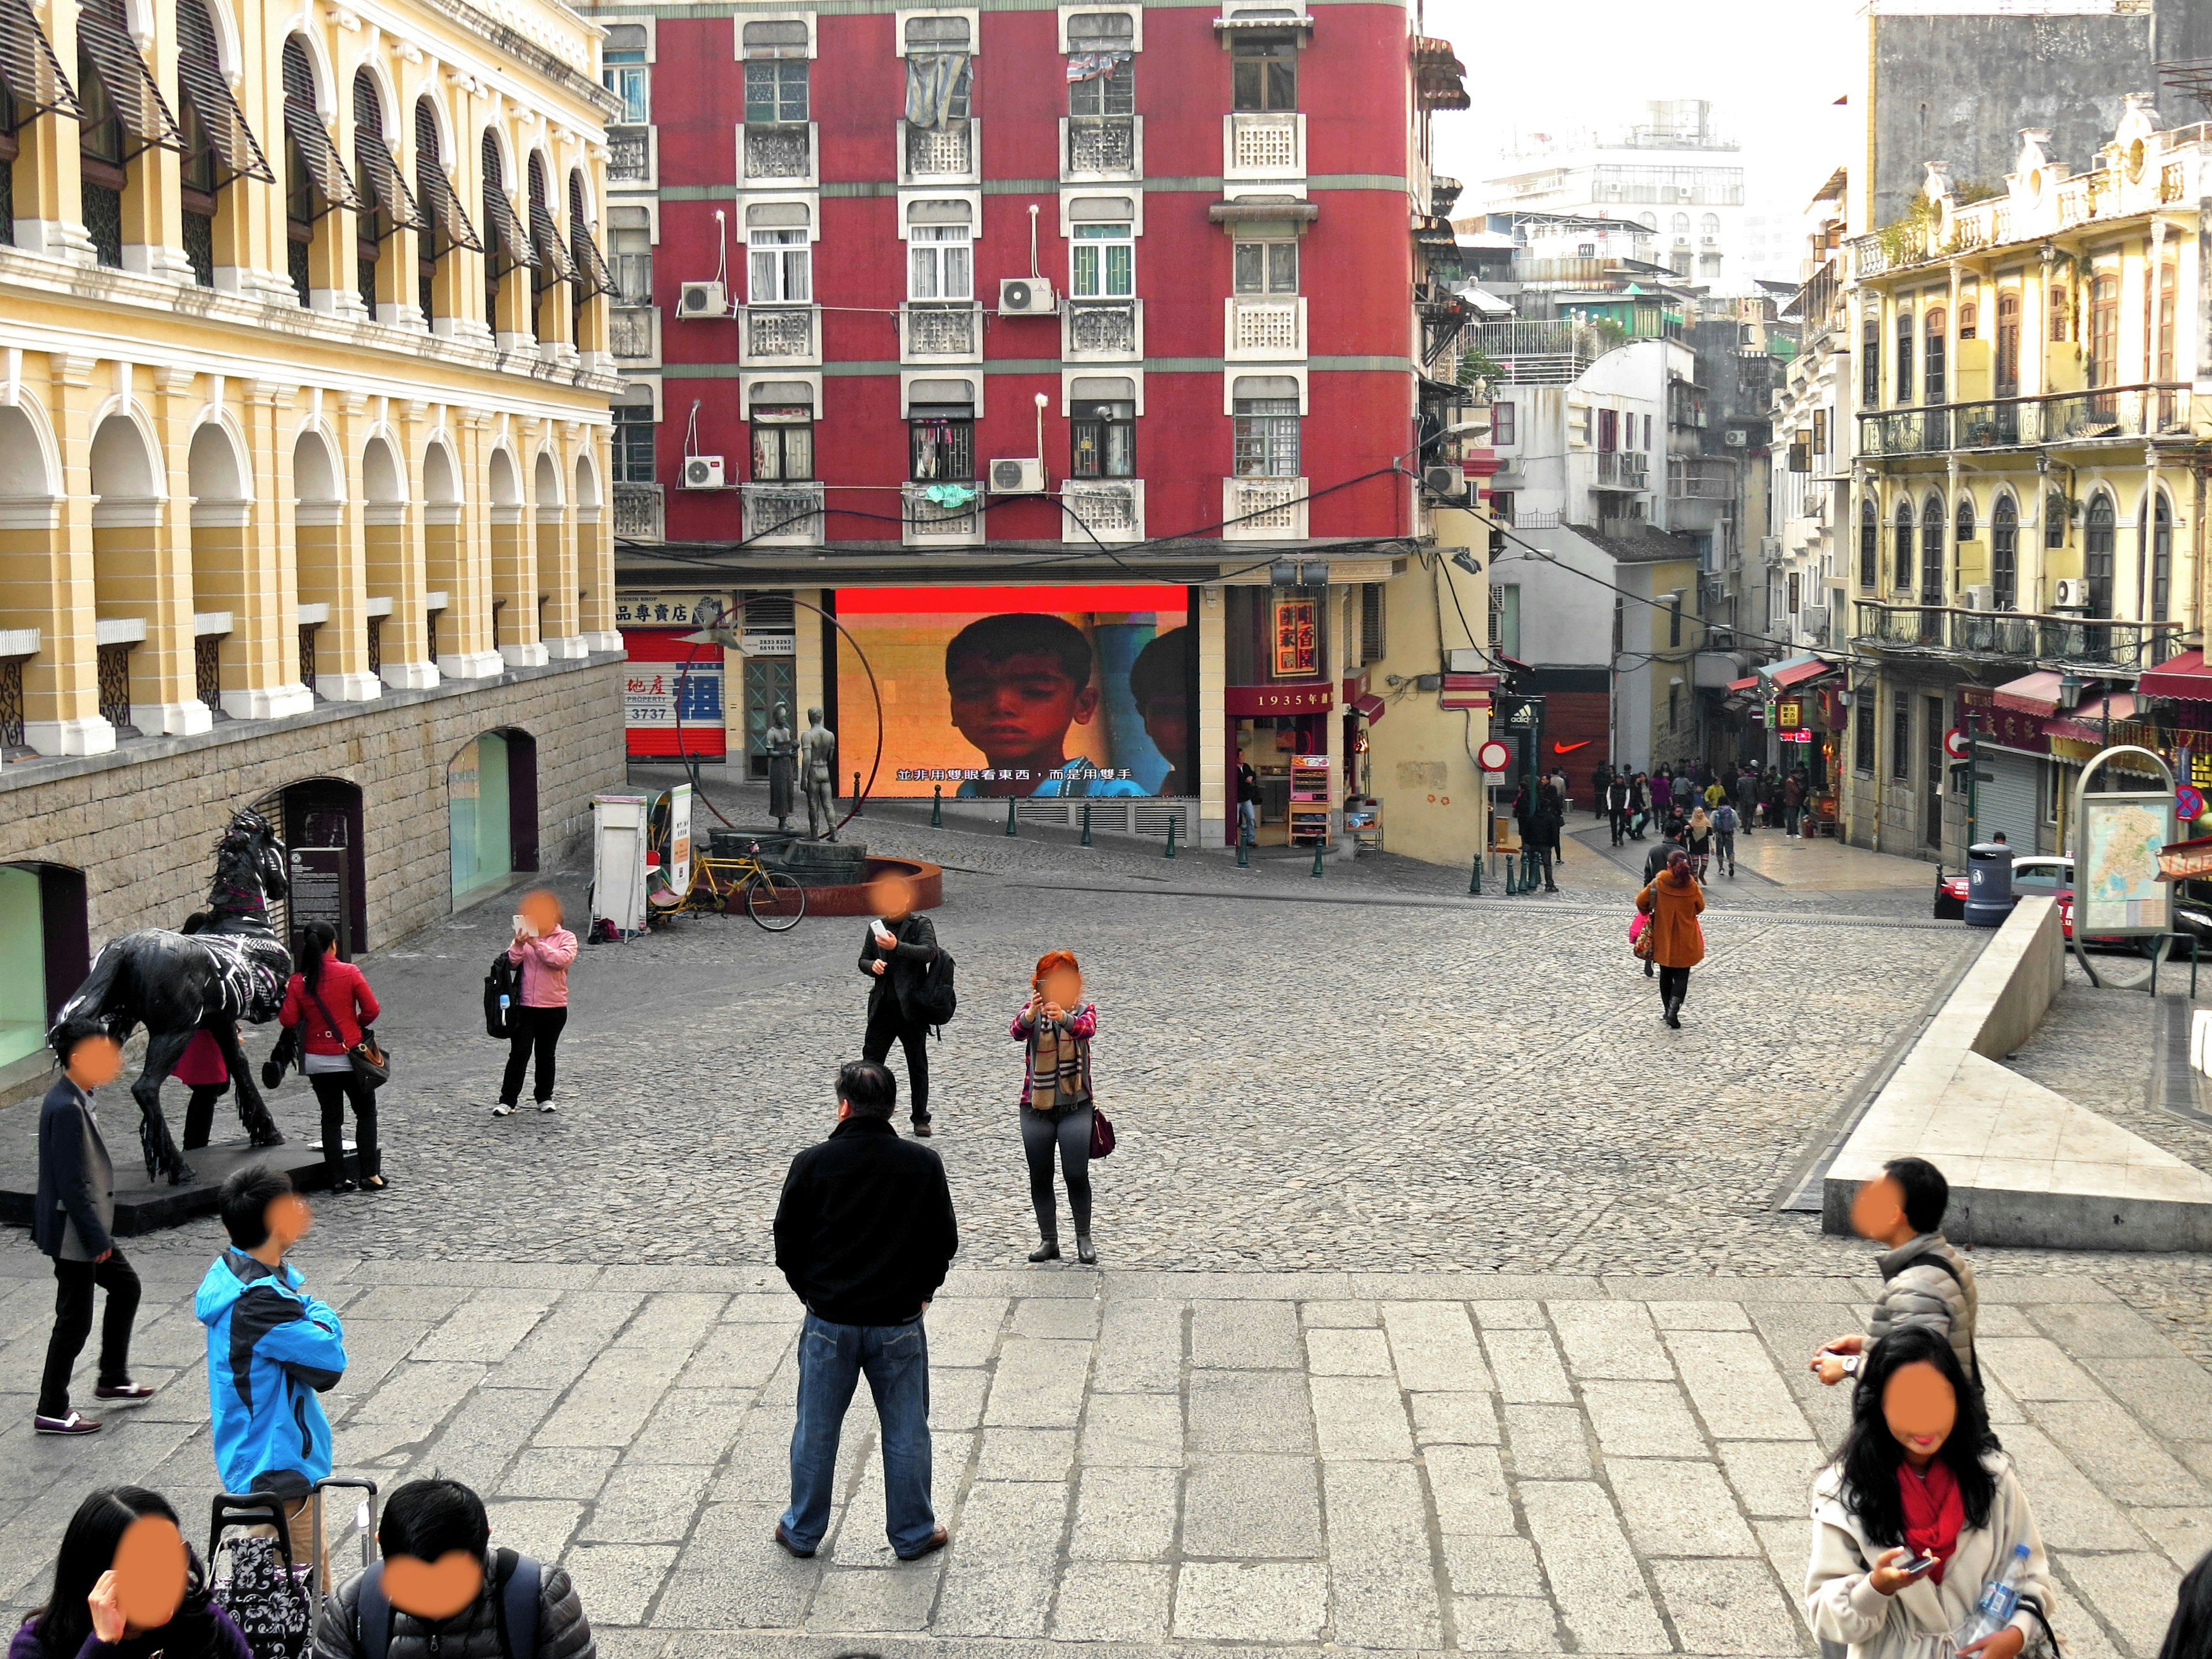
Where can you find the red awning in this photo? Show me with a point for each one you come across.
(2086, 723)
(1369, 705)
(1798, 673)
(2031, 694)
(2186, 676)
(1743, 684)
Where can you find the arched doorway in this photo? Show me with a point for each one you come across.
(45, 952)
(491, 812)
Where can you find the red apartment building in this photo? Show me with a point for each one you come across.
(1124, 320)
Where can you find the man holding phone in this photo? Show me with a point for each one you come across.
(896, 955)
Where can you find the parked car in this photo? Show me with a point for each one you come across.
(2043, 875)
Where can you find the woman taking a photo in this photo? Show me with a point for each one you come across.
(331, 1004)
(1056, 1026)
(1673, 900)
(127, 1587)
(546, 951)
(1918, 1513)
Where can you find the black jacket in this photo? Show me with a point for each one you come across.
(563, 1632)
(865, 1230)
(1656, 859)
(77, 1182)
(909, 960)
(1248, 785)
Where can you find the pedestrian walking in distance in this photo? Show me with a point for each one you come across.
(1618, 797)
(1056, 1026)
(1549, 821)
(108, 1602)
(1918, 1512)
(1926, 1283)
(1248, 804)
(896, 955)
(863, 1234)
(1697, 843)
(74, 1223)
(331, 1003)
(1673, 900)
(545, 951)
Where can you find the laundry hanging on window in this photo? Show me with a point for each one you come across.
(1094, 66)
(934, 82)
(950, 495)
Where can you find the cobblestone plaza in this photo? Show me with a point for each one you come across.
(1444, 1302)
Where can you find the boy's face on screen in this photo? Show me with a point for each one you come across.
(1017, 707)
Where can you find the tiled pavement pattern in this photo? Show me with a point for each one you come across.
(1396, 1462)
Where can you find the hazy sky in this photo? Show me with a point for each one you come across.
(1773, 71)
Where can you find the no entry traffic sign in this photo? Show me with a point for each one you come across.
(1493, 757)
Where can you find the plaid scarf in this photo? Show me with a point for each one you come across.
(1059, 1066)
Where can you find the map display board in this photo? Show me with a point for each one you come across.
(2117, 889)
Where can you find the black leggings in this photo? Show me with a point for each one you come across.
(1674, 984)
(199, 1113)
(1070, 1129)
(530, 1030)
(332, 1091)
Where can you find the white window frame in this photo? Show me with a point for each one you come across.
(1120, 234)
(738, 33)
(973, 376)
(1131, 372)
(1135, 14)
(974, 15)
(1298, 372)
(781, 249)
(1264, 292)
(749, 383)
(933, 237)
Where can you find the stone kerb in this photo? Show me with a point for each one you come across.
(2027, 1167)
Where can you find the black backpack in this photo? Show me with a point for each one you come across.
(505, 980)
(935, 1000)
(518, 1577)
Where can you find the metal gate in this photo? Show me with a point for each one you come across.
(2008, 801)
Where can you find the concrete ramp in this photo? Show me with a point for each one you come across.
(2026, 1165)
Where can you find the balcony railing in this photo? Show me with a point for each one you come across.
(1700, 481)
(1265, 328)
(1104, 331)
(944, 152)
(1101, 146)
(1622, 468)
(784, 151)
(1263, 509)
(638, 512)
(2154, 411)
(928, 523)
(781, 515)
(629, 156)
(1111, 509)
(2126, 645)
(1271, 145)
(632, 334)
(779, 334)
(1540, 353)
(951, 330)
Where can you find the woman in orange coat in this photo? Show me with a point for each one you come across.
(1673, 900)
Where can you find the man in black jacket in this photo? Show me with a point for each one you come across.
(73, 1222)
(863, 1234)
(896, 955)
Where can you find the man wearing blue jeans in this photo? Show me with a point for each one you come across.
(863, 1234)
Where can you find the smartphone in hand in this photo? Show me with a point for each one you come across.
(522, 928)
(1913, 1566)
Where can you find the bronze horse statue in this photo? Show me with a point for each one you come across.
(175, 984)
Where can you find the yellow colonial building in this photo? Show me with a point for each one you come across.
(2033, 418)
(303, 448)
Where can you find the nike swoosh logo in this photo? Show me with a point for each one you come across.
(1569, 748)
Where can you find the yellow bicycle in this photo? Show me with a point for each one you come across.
(771, 898)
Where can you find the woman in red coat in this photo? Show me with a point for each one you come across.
(331, 1003)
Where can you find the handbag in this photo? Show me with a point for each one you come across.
(372, 1066)
(1639, 936)
(1102, 1132)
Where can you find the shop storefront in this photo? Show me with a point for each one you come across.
(672, 703)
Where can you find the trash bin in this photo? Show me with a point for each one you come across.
(1988, 883)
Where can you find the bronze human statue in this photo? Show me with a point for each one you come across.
(782, 746)
(818, 776)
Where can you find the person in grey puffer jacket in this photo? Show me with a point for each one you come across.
(422, 1522)
(1926, 1281)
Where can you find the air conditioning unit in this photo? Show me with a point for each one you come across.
(1814, 620)
(1736, 437)
(1444, 482)
(703, 471)
(1026, 296)
(2070, 593)
(1019, 476)
(1977, 598)
(702, 300)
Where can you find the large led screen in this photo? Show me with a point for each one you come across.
(1078, 691)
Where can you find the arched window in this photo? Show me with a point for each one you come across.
(380, 181)
(1681, 227)
(1935, 356)
(218, 145)
(315, 181)
(1901, 572)
(2055, 513)
(2097, 540)
(2005, 555)
(553, 265)
(2161, 560)
(2105, 331)
(106, 140)
(1870, 360)
(2008, 371)
(1931, 551)
(1870, 545)
(445, 224)
(1901, 391)
(1709, 227)
(508, 251)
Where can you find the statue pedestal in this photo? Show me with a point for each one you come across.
(143, 1205)
(826, 863)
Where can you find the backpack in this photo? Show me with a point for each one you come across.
(518, 1577)
(1724, 819)
(935, 1000)
(505, 980)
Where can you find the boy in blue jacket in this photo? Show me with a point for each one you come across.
(271, 1350)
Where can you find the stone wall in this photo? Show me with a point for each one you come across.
(143, 822)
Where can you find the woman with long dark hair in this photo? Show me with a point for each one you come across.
(1917, 1513)
(331, 1004)
(2189, 1635)
(100, 1605)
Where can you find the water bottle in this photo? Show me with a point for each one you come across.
(502, 1004)
(2000, 1600)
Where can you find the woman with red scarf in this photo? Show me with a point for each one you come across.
(1918, 1512)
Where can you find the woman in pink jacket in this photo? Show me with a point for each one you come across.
(544, 949)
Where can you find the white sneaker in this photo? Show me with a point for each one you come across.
(545, 1106)
(502, 1111)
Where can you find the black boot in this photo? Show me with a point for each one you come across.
(1048, 1251)
(1674, 1014)
(1086, 1252)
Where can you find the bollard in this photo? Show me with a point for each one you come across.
(1474, 882)
(1171, 834)
(1320, 847)
(1010, 816)
(1086, 823)
(857, 802)
(1243, 854)
(937, 807)
(1511, 885)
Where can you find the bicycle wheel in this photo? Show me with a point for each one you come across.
(775, 901)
